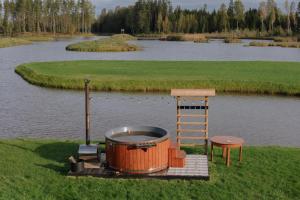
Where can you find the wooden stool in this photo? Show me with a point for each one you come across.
(226, 142)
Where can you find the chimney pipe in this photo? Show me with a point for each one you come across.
(87, 112)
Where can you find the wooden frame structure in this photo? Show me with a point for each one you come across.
(192, 116)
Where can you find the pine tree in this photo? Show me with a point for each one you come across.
(230, 13)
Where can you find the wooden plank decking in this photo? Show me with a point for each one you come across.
(196, 168)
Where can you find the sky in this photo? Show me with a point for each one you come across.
(190, 4)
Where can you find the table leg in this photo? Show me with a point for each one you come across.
(228, 157)
(241, 151)
(224, 152)
(211, 151)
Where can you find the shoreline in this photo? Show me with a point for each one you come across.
(28, 38)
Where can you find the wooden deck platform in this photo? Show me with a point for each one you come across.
(196, 168)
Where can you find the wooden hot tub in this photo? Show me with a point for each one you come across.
(137, 150)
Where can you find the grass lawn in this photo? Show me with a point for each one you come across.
(116, 43)
(232, 76)
(36, 169)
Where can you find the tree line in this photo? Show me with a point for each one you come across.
(54, 16)
(158, 16)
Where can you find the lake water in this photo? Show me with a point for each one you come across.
(31, 111)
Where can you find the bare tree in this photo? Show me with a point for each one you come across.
(223, 17)
(271, 10)
(293, 13)
(238, 12)
(262, 13)
(288, 11)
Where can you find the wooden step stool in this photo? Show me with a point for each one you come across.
(176, 157)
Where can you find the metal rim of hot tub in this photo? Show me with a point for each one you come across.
(164, 134)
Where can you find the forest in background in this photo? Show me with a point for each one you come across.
(158, 16)
(146, 16)
(47, 16)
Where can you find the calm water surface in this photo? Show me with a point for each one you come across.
(30, 111)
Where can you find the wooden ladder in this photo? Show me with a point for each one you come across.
(192, 116)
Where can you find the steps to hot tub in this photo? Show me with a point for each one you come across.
(177, 157)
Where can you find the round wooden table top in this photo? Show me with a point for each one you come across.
(227, 140)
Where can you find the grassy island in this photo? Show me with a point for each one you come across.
(116, 43)
(36, 169)
(242, 77)
(276, 44)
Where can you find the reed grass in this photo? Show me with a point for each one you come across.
(151, 36)
(124, 37)
(36, 169)
(280, 78)
(28, 38)
(285, 39)
(242, 34)
(116, 43)
(275, 44)
(9, 42)
(232, 40)
(40, 37)
(186, 37)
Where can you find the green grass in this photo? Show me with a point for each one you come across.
(241, 77)
(116, 43)
(36, 169)
(9, 42)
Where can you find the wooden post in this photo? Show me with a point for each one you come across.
(240, 156)
(228, 157)
(212, 152)
(178, 120)
(87, 112)
(206, 124)
(224, 152)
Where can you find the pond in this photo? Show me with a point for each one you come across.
(30, 111)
